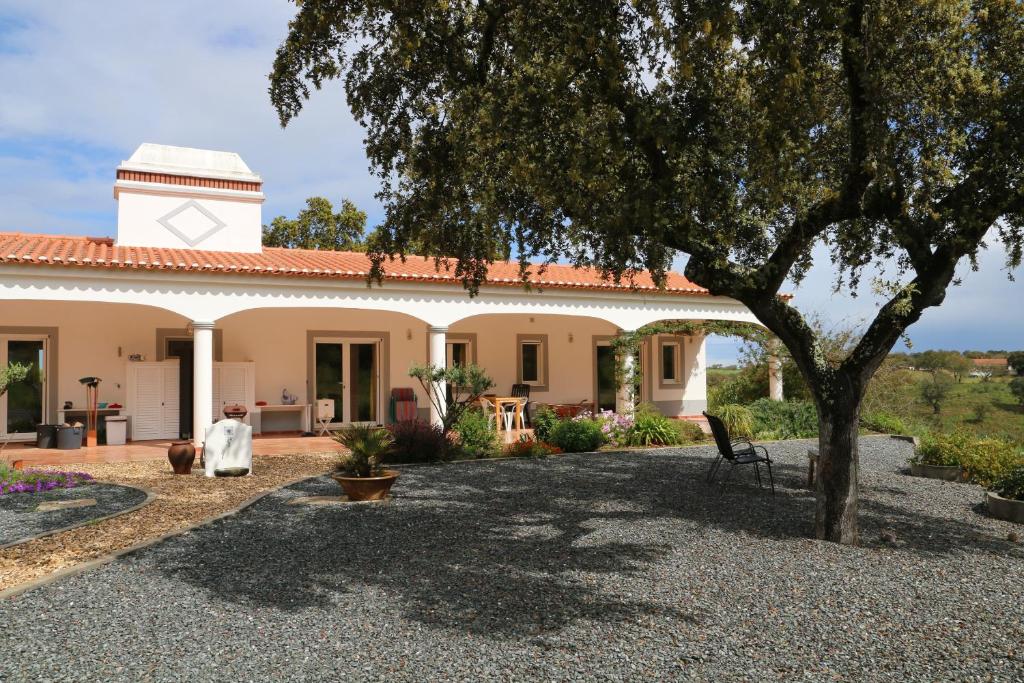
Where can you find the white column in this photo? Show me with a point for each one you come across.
(438, 358)
(202, 380)
(624, 399)
(774, 375)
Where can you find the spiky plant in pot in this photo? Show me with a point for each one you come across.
(368, 445)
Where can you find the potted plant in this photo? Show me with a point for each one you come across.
(938, 458)
(359, 472)
(1006, 498)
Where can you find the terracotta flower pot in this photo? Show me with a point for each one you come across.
(181, 454)
(943, 472)
(366, 488)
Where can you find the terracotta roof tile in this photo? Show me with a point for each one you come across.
(92, 252)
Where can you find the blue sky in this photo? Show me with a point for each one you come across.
(85, 83)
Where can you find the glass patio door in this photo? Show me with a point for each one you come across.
(347, 372)
(23, 407)
(606, 389)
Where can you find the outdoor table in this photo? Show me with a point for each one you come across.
(516, 402)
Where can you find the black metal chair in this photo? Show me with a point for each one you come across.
(523, 391)
(746, 454)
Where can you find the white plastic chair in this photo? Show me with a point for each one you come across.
(488, 407)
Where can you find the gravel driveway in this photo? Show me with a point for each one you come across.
(585, 567)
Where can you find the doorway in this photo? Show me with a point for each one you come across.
(24, 405)
(347, 371)
(182, 349)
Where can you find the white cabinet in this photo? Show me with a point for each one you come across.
(233, 384)
(153, 399)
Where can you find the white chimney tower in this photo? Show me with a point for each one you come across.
(186, 198)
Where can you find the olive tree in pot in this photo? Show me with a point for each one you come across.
(12, 374)
(359, 472)
(1006, 498)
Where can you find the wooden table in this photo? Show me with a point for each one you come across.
(500, 401)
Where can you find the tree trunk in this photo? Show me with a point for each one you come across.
(836, 485)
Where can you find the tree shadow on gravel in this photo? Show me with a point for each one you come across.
(501, 548)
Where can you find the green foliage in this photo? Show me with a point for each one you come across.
(419, 441)
(368, 446)
(544, 421)
(784, 419)
(1016, 361)
(577, 436)
(737, 419)
(467, 382)
(933, 392)
(883, 423)
(1011, 484)
(984, 460)
(651, 428)
(1017, 389)
(12, 374)
(476, 438)
(319, 227)
(689, 432)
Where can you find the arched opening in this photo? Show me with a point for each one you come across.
(64, 341)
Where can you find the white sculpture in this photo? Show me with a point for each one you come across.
(228, 445)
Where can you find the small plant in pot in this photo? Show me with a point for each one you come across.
(938, 457)
(1006, 498)
(359, 472)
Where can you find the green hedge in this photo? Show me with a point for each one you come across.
(784, 419)
(986, 461)
(576, 436)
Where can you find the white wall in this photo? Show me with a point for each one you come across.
(138, 225)
(276, 340)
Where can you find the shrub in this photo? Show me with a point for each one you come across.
(1017, 389)
(368, 446)
(544, 420)
(419, 441)
(980, 412)
(577, 436)
(934, 391)
(38, 481)
(985, 461)
(738, 419)
(528, 448)
(689, 432)
(883, 422)
(784, 419)
(476, 438)
(651, 428)
(615, 427)
(1011, 484)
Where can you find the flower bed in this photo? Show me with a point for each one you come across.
(37, 481)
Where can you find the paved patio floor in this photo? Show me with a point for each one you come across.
(584, 567)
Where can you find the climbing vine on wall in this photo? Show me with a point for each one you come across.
(629, 342)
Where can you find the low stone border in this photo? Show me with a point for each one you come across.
(74, 570)
(150, 497)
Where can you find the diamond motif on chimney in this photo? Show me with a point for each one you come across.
(192, 222)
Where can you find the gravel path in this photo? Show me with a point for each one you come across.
(19, 519)
(585, 567)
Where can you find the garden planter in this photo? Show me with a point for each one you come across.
(1005, 508)
(367, 488)
(943, 472)
(46, 436)
(181, 454)
(69, 438)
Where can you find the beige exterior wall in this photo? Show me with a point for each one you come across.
(91, 335)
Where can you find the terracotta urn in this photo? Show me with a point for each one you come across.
(181, 454)
(366, 488)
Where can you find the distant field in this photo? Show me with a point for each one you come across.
(1002, 417)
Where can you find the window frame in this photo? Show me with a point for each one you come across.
(677, 344)
(541, 341)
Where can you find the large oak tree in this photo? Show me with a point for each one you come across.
(621, 133)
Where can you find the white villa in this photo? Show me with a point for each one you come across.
(184, 312)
